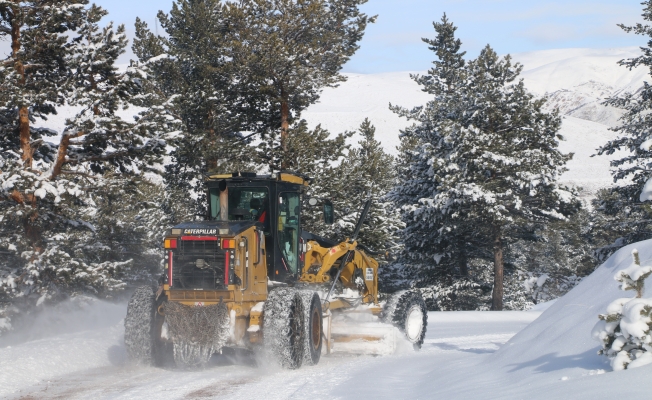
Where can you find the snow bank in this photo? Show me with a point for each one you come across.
(478, 317)
(543, 306)
(552, 357)
(563, 331)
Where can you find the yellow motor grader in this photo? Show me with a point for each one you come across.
(250, 277)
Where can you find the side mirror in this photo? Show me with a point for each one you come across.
(328, 212)
(313, 201)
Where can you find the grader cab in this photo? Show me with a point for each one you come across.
(249, 277)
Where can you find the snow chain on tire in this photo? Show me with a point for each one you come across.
(313, 327)
(139, 326)
(407, 311)
(283, 327)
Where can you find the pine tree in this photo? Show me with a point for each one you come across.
(34, 75)
(514, 158)
(367, 172)
(487, 166)
(49, 190)
(623, 330)
(293, 49)
(192, 68)
(445, 81)
(623, 208)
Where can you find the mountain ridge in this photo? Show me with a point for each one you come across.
(575, 81)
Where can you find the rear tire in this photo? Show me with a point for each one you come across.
(140, 325)
(407, 311)
(313, 328)
(283, 327)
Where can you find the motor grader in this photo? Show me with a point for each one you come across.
(249, 277)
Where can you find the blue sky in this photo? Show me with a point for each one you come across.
(393, 43)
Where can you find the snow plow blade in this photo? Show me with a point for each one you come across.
(344, 336)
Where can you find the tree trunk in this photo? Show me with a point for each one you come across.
(62, 152)
(23, 111)
(497, 296)
(285, 127)
(25, 137)
(61, 156)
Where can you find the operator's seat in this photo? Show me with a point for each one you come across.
(259, 211)
(255, 206)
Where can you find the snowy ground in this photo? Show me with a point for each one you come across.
(491, 355)
(90, 364)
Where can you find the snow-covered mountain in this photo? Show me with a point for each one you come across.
(578, 80)
(575, 80)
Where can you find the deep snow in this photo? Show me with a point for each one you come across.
(465, 355)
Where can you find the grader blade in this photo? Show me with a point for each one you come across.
(359, 334)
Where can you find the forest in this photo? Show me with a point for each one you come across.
(470, 210)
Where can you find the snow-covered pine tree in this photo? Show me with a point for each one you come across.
(445, 81)
(48, 190)
(192, 66)
(633, 170)
(508, 162)
(367, 172)
(624, 330)
(34, 76)
(293, 49)
(487, 164)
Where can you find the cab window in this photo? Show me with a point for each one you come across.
(288, 229)
(244, 204)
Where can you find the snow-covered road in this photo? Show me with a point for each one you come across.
(90, 364)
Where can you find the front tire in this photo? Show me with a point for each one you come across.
(407, 311)
(313, 327)
(283, 327)
(140, 325)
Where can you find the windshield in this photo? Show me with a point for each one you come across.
(242, 204)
